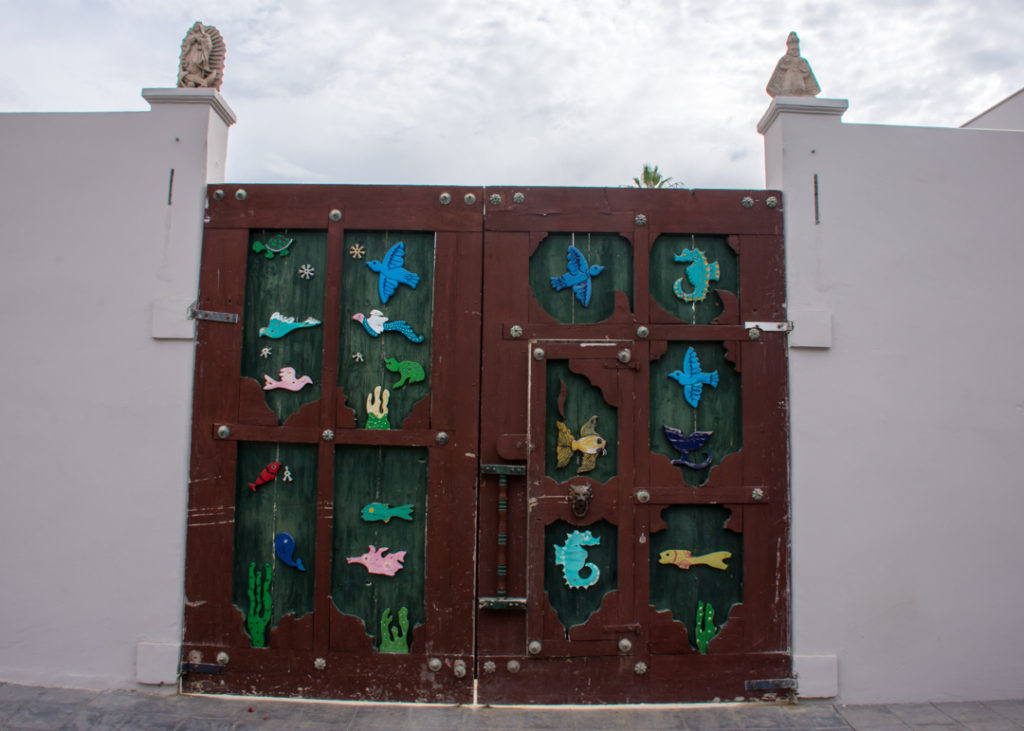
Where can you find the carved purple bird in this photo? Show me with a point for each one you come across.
(686, 443)
(393, 272)
(578, 277)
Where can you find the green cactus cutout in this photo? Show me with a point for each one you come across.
(397, 641)
(258, 617)
(706, 629)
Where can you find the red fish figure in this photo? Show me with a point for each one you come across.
(268, 474)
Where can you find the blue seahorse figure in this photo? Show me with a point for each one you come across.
(701, 274)
(572, 557)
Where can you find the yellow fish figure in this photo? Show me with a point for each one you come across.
(684, 559)
(589, 445)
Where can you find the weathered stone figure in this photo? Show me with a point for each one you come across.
(793, 75)
(202, 58)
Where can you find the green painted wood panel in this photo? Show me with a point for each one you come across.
(274, 507)
(719, 411)
(360, 294)
(665, 271)
(550, 260)
(275, 285)
(396, 476)
(574, 606)
(582, 401)
(699, 529)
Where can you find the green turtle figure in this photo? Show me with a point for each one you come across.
(412, 372)
(276, 244)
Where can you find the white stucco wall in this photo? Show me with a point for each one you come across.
(1007, 114)
(907, 495)
(98, 268)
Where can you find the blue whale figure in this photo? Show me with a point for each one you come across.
(284, 546)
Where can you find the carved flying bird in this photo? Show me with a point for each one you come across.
(393, 272)
(376, 322)
(686, 443)
(578, 277)
(692, 378)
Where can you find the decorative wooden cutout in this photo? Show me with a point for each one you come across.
(684, 559)
(265, 352)
(357, 357)
(383, 511)
(377, 409)
(589, 445)
(307, 272)
(287, 476)
(572, 557)
(377, 563)
(266, 475)
(410, 370)
(284, 546)
(687, 443)
(700, 273)
(258, 616)
(578, 276)
(393, 639)
(706, 629)
(393, 272)
(377, 322)
(280, 325)
(356, 251)
(692, 378)
(288, 381)
(276, 245)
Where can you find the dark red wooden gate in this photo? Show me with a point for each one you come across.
(438, 373)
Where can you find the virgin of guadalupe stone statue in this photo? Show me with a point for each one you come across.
(202, 58)
(793, 75)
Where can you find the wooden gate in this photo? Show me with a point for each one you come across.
(531, 438)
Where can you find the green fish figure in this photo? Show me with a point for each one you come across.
(383, 511)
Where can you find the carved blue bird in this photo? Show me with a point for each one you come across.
(692, 378)
(578, 277)
(687, 443)
(393, 272)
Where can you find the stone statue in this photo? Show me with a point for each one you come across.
(793, 75)
(202, 58)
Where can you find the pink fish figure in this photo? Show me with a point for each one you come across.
(377, 563)
(288, 381)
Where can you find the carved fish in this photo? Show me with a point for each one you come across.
(268, 474)
(684, 559)
(589, 445)
(383, 511)
(377, 563)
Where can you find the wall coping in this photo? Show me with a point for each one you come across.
(801, 105)
(210, 97)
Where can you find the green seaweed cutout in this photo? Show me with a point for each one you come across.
(258, 617)
(398, 641)
(706, 629)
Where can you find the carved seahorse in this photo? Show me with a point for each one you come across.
(701, 273)
(572, 557)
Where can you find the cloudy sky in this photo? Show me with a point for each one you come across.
(527, 92)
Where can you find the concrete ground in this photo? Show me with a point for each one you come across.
(30, 707)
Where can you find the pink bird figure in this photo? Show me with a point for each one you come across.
(377, 563)
(288, 381)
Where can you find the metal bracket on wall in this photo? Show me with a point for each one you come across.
(193, 313)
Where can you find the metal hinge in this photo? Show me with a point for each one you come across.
(193, 313)
(770, 327)
(210, 668)
(502, 602)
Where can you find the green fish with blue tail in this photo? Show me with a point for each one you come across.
(383, 511)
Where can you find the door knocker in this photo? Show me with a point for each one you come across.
(579, 499)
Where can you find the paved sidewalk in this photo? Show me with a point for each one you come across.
(30, 707)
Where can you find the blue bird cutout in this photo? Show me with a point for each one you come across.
(578, 277)
(393, 272)
(284, 546)
(692, 378)
(686, 444)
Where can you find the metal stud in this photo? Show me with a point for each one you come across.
(515, 331)
(747, 202)
(513, 666)
(223, 658)
(518, 198)
(771, 201)
(320, 663)
(445, 198)
(640, 220)
(490, 667)
(753, 333)
(534, 647)
(625, 645)
(335, 215)
(469, 198)
(434, 664)
(218, 195)
(642, 496)
(460, 669)
(624, 356)
(640, 668)
(642, 332)
(495, 199)
(441, 438)
(223, 431)
(241, 195)
(757, 494)
(538, 354)
(328, 435)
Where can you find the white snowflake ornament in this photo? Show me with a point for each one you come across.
(306, 271)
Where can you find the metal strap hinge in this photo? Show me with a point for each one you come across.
(502, 602)
(194, 313)
(770, 327)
